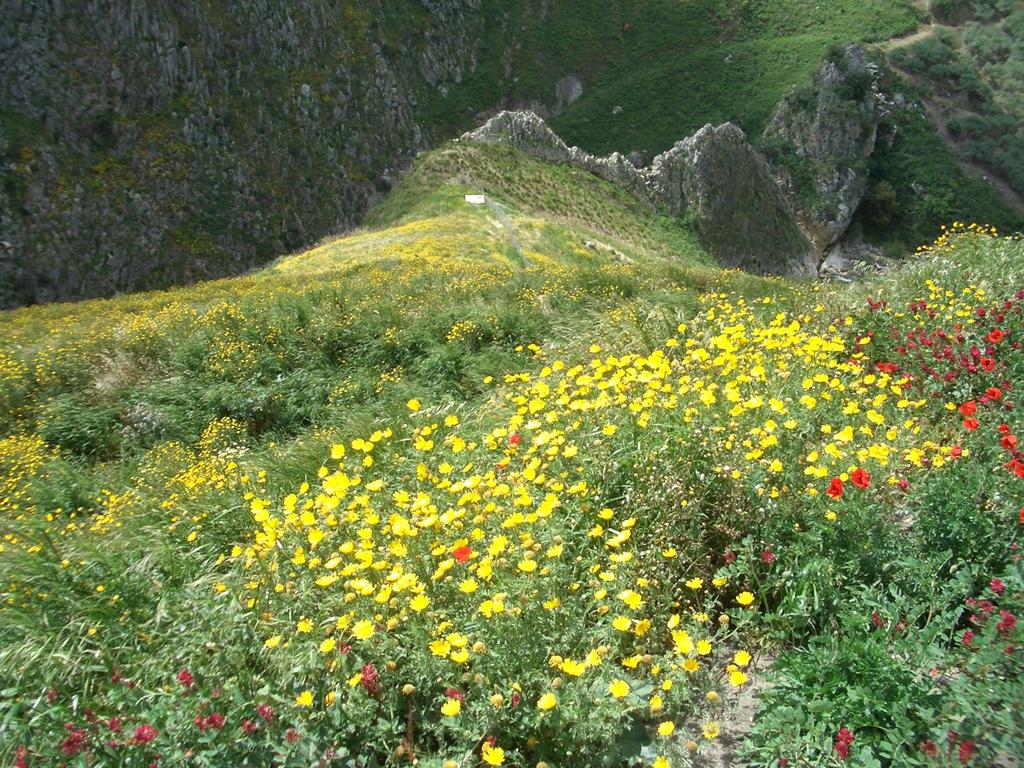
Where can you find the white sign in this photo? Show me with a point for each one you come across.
(476, 199)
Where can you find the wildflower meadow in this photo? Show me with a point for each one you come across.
(556, 512)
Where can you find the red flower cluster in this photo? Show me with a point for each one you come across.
(967, 748)
(214, 721)
(843, 741)
(75, 742)
(860, 477)
(370, 680)
(462, 554)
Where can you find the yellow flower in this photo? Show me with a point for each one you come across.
(695, 583)
(413, 405)
(451, 707)
(711, 730)
(493, 755)
(419, 602)
(744, 598)
(666, 728)
(272, 642)
(304, 625)
(619, 689)
(661, 762)
(546, 702)
(304, 699)
(742, 658)
(362, 630)
(703, 647)
(737, 678)
(327, 645)
(573, 668)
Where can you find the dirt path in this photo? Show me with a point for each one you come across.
(735, 722)
(915, 37)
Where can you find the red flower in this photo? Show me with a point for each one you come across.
(462, 554)
(767, 556)
(291, 735)
(515, 438)
(1009, 442)
(186, 679)
(455, 693)
(730, 557)
(968, 408)
(21, 757)
(966, 751)
(249, 726)
(996, 335)
(860, 478)
(265, 712)
(929, 748)
(967, 638)
(1007, 621)
(145, 733)
(994, 393)
(835, 488)
(997, 586)
(75, 741)
(987, 363)
(370, 680)
(971, 424)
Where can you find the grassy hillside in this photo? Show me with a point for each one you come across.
(524, 484)
(670, 66)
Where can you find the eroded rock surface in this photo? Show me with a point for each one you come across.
(714, 178)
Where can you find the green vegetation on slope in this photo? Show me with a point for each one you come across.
(431, 493)
(671, 66)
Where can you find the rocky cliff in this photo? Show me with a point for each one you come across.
(714, 178)
(144, 144)
(819, 140)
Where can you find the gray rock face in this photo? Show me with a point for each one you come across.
(714, 177)
(819, 139)
(567, 90)
(145, 143)
(740, 213)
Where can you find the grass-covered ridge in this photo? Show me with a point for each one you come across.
(465, 490)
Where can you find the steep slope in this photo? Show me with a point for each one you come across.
(150, 144)
(519, 483)
(352, 323)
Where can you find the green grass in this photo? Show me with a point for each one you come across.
(614, 434)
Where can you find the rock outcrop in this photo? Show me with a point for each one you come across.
(713, 178)
(819, 139)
